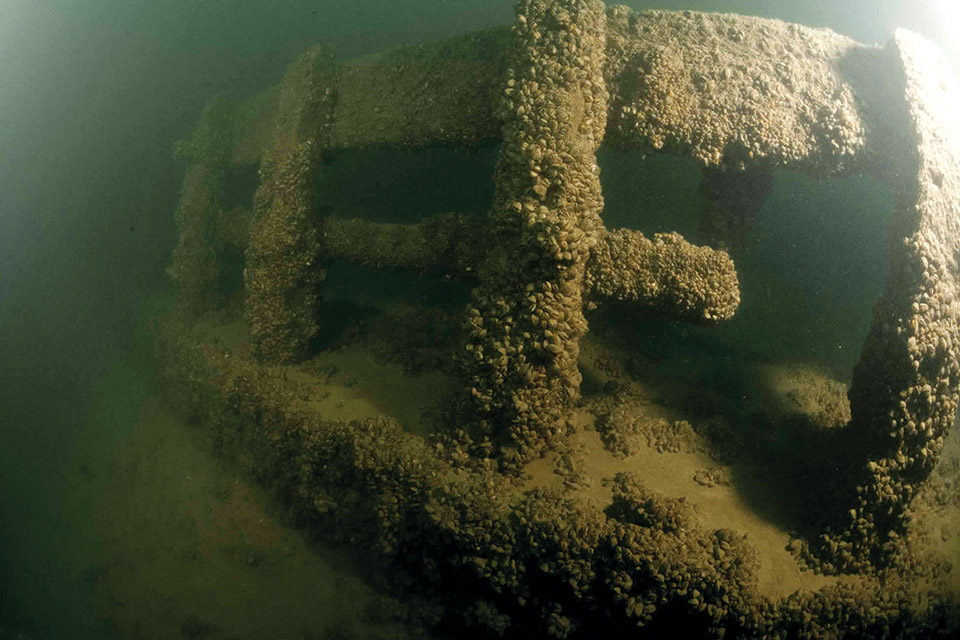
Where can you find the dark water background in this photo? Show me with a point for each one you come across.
(92, 95)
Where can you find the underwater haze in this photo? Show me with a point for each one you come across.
(93, 96)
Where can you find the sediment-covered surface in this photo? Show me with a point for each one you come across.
(642, 536)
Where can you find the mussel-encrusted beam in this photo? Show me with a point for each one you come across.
(282, 278)
(451, 245)
(667, 274)
(196, 259)
(526, 316)
(904, 393)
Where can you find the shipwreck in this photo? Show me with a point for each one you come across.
(451, 513)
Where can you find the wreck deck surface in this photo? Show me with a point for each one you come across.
(351, 381)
